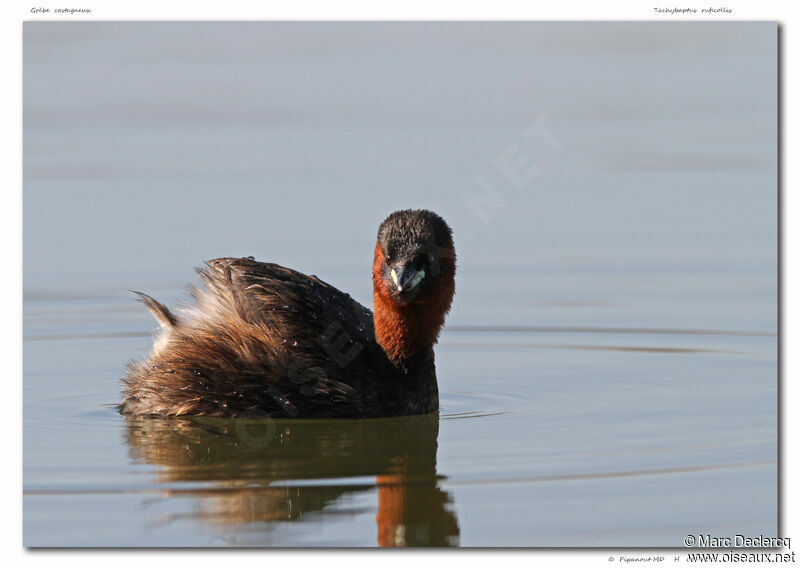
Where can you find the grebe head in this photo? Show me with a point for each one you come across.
(413, 276)
(418, 258)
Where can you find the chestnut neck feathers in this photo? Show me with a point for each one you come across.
(413, 282)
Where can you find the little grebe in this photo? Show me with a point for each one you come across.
(266, 340)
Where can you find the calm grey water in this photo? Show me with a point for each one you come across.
(608, 371)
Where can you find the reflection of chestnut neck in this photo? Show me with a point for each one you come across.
(391, 510)
(405, 330)
(412, 512)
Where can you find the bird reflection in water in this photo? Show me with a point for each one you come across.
(261, 469)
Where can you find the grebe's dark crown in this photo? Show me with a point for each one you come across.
(406, 232)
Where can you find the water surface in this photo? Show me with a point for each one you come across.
(608, 373)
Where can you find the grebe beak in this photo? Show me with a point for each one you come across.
(406, 277)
